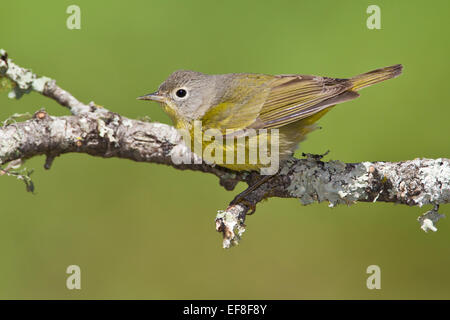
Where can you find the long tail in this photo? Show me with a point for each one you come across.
(375, 76)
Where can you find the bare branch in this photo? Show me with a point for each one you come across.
(26, 81)
(416, 182)
(99, 132)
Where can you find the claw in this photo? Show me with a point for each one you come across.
(241, 197)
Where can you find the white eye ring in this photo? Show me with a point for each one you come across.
(180, 93)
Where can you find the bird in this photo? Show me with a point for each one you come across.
(233, 104)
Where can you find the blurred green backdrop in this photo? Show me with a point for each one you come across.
(146, 231)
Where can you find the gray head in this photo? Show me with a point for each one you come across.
(190, 94)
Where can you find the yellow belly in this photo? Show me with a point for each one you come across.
(248, 154)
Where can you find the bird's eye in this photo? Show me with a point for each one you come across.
(181, 93)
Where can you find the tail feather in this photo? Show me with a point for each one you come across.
(375, 76)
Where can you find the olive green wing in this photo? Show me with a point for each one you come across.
(263, 101)
(240, 103)
(296, 97)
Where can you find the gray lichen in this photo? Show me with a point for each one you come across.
(106, 131)
(25, 80)
(231, 224)
(429, 219)
(436, 181)
(332, 181)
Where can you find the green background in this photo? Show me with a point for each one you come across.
(142, 230)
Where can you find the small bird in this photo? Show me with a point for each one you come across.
(234, 103)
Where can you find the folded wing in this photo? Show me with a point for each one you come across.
(295, 97)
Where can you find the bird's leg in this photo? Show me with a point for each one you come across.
(241, 197)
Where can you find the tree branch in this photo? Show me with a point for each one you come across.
(99, 132)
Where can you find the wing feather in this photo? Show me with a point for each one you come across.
(295, 97)
(263, 101)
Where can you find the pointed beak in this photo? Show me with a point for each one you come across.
(153, 97)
